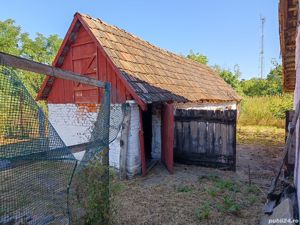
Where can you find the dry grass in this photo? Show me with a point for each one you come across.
(265, 110)
(197, 195)
(261, 135)
(193, 195)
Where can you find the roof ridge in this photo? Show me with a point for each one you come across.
(140, 39)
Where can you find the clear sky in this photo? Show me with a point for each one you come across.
(226, 31)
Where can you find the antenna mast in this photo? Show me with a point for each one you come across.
(263, 20)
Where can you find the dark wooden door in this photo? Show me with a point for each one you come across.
(167, 136)
(205, 137)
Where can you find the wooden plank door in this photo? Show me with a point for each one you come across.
(84, 61)
(167, 136)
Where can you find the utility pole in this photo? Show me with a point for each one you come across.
(263, 20)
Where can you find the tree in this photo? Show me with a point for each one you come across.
(274, 79)
(254, 87)
(10, 36)
(232, 78)
(197, 57)
(41, 49)
(272, 85)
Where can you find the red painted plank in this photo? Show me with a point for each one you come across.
(67, 84)
(114, 87)
(101, 66)
(142, 145)
(122, 92)
(167, 136)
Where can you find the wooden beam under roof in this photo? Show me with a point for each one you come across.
(29, 65)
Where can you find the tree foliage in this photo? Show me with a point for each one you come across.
(197, 57)
(41, 49)
(10, 36)
(272, 85)
(230, 77)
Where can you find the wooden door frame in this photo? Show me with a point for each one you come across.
(167, 139)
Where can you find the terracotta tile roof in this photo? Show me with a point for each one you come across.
(157, 74)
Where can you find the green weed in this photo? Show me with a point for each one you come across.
(254, 189)
(226, 185)
(206, 210)
(203, 213)
(184, 189)
(213, 191)
(198, 215)
(230, 205)
(210, 177)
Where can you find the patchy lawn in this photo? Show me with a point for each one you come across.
(199, 195)
(261, 135)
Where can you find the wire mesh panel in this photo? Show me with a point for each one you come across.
(41, 180)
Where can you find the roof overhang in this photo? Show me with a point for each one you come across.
(288, 23)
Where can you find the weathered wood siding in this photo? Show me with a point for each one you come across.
(206, 137)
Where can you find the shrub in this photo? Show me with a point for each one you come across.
(265, 111)
(91, 192)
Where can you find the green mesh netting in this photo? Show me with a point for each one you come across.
(41, 182)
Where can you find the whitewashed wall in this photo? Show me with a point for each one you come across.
(133, 161)
(74, 126)
(208, 106)
(156, 132)
(71, 124)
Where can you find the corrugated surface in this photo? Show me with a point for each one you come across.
(156, 74)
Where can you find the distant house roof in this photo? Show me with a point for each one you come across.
(154, 73)
(288, 22)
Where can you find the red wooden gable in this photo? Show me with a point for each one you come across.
(82, 55)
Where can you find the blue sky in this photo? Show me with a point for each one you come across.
(226, 31)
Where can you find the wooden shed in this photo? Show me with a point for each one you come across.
(148, 78)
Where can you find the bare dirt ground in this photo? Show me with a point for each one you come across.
(199, 195)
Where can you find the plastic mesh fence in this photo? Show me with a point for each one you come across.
(42, 181)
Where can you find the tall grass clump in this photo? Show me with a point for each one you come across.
(265, 110)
